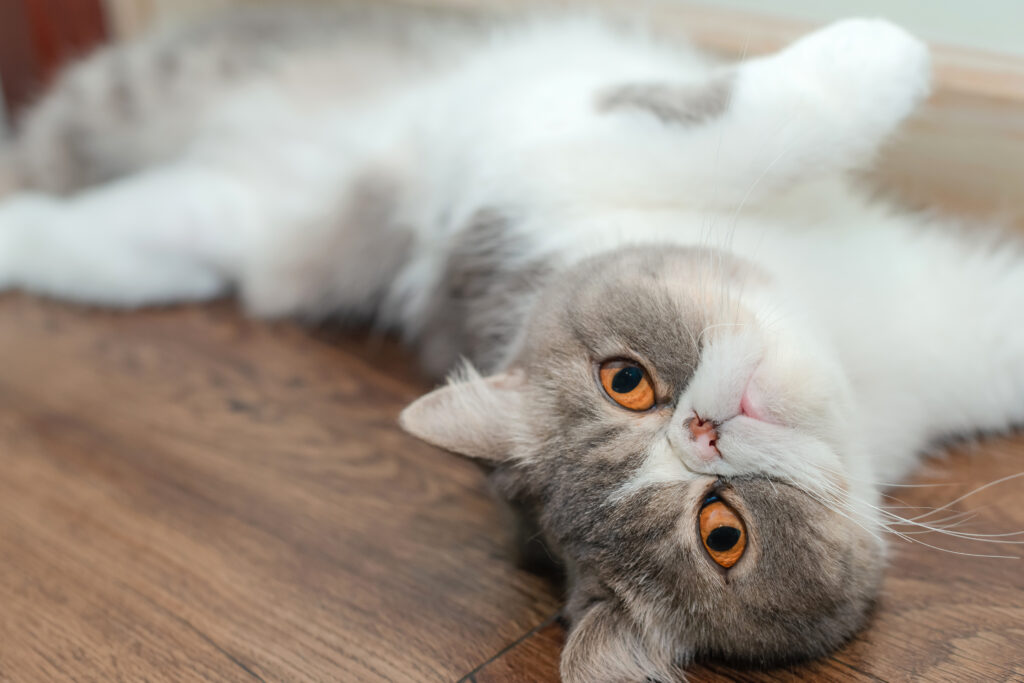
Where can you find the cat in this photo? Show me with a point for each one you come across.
(686, 346)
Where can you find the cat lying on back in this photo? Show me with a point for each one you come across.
(693, 348)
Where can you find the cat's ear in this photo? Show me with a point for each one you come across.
(471, 415)
(605, 646)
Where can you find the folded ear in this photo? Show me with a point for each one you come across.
(471, 415)
(605, 646)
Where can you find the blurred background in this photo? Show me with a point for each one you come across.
(963, 153)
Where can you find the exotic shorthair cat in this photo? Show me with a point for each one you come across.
(693, 349)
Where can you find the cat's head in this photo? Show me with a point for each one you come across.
(683, 444)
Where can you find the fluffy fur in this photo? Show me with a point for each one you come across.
(540, 197)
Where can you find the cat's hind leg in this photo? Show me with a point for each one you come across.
(935, 337)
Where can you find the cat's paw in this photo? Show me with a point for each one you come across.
(864, 65)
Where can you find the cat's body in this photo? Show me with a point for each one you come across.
(543, 198)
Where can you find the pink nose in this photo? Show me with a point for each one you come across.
(706, 438)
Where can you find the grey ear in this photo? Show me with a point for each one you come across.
(471, 415)
(605, 646)
(688, 104)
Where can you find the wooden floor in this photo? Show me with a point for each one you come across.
(188, 495)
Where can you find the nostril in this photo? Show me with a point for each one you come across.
(700, 428)
(704, 434)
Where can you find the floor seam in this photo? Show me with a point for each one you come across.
(471, 676)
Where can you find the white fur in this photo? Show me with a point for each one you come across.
(895, 332)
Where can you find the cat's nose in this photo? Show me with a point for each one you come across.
(705, 437)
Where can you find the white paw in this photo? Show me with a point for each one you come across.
(865, 64)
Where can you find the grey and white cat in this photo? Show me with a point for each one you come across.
(694, 349)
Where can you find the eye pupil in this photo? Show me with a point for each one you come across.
(723, 538)
(627, 379)
(627, 384)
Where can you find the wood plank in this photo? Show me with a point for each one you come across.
(190, 495)
(532, 659)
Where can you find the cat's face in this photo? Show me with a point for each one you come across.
(682, 444)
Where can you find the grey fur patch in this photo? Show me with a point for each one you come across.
(485, 291)
(804, 586)
(98, 121)
(167, 65)
(688, 104)
(122, 89)
(372, 245)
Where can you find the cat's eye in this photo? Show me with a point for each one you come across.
(722, 532)
(627, 384)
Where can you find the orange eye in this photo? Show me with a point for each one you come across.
(627, 384)
(722, 532)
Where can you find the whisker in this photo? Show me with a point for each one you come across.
(971, 493)
(957, 552)
(895, 520)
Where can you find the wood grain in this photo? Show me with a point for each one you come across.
(188, 495)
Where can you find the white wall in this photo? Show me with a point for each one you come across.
(991, 25)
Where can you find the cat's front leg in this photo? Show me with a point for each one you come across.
(820, 107)
(825, 103)
(188, 231)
